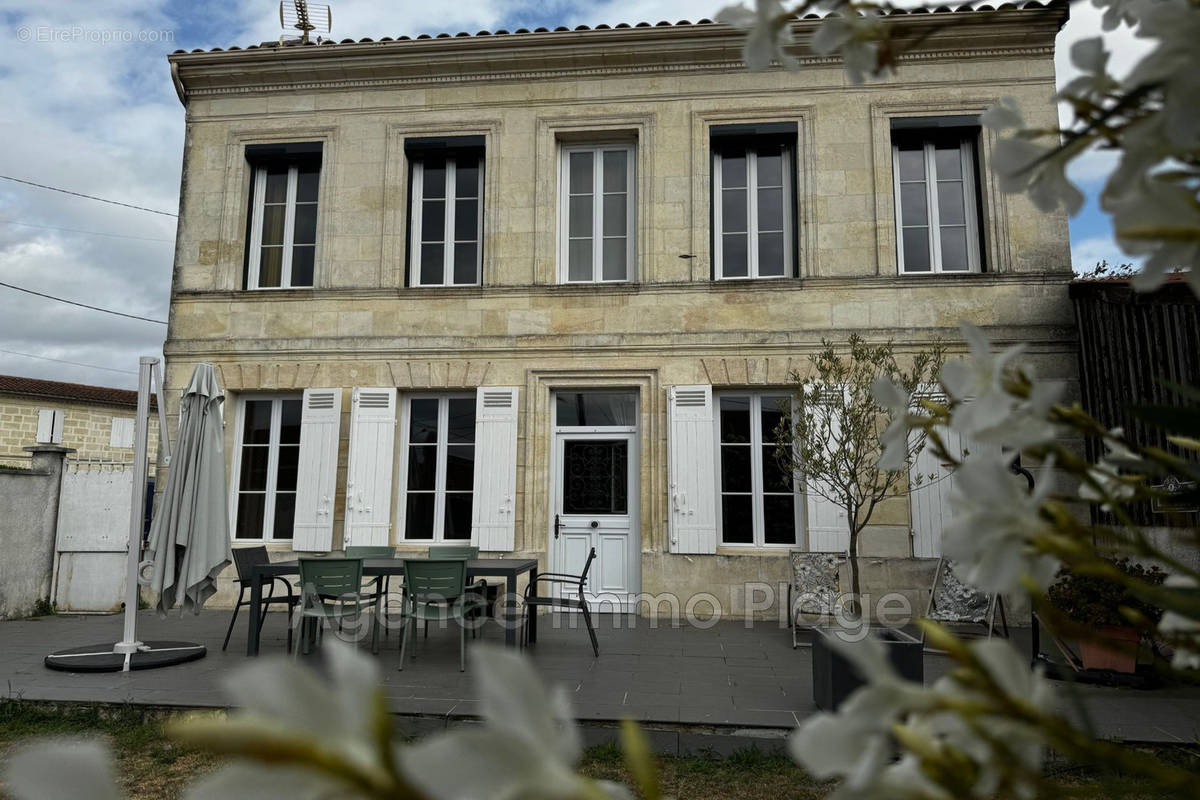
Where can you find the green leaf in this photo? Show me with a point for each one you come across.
(640, 761)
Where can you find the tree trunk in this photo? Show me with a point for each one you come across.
(855, 587)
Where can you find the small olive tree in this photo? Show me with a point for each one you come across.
(834, 438)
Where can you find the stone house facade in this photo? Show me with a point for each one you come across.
(543, 290)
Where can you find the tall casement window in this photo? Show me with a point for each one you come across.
(758, 501)
(445, 210)
(753, 200)
(282, 227)
(265, 467)
(597, 212)
(937, 208)
(438, 469)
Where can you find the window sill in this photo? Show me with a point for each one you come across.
(774, 550)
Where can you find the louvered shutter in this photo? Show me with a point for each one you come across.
(50, 426)
(316, 481)
(828, 531)
(493, 521)
(692, 470)
(369, 469)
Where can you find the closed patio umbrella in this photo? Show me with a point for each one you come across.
(189, 537)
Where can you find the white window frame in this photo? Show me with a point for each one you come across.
(564, 186)
(970, 209)
(439, 486)
(259, 193)
(758, 523)
(272, 466)
(789, 266)
(416, 204)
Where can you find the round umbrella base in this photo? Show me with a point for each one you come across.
(101, 658)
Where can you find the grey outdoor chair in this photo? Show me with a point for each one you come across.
(814, 588)
(951, 600)
(245, 559)
(579, 603)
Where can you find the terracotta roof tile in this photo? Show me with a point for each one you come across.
(79, 392)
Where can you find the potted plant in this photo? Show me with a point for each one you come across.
(1096, 603)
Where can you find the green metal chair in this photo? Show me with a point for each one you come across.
(366, 551)
(436, 590)
(453, 551)
(331, 588)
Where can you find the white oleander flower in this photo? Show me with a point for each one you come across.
(1107, 473)
(768, 33)
(1023, 165)
(898, 402)
(853, 36)
(1117, 12)
(59, 768)
(1091, 58)
(1174, 623)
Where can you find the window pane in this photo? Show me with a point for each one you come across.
(735, 419)
(272, 227)
(615, 251)
(460, 423)
(779, 519)
(285, 514)
(433, 221)
(256, 428)
(735, 468)
(422, 467)
(270, 267)
(733, 256)
(579, 221)
(466, 220)
(616, 171)
(774, 411)
(458, 516)
(466, 265)
(289, 421)
(771, 254)
(432, 268)
(305, 231)
(733, 170)
(254, 468)
(307, 181)
(418, 517)
(595, 409)
(770, 209)
(950, 203)
(422, 420)
(276, 185)
(733, 211)
(595, 477)
(770, 169)
(916, 249)
(913, 206)
(954, 249)
(302, 264)
(579, 260)
(737, 525)
(614, 214)
(466, 179)
(289, 463)
(434, 181)
(460, 467)
(775, 478)
(912, 164)
(250, 513)
(580, 173)
(948, 162)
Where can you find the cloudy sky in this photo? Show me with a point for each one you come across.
(88, 106)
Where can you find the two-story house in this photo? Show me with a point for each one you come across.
(543, 290)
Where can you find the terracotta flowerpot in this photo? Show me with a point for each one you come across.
(1116, 649)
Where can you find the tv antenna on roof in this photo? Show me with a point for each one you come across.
(304, 17)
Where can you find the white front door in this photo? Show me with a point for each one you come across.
(594, 504)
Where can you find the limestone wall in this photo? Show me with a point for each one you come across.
(87, 428)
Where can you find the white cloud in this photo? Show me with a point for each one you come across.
(1087, 253)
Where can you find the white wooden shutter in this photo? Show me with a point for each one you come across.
(316, 482)
(692, 470)
(50, 426)
(828, 529)
(930, 501)
(120, 434)
(369, 469)
(493, 522)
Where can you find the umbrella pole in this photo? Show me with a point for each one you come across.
(129, 643)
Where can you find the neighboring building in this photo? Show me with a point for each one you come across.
(97, 421)
(544, 290)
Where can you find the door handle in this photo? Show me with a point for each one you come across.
(595, 524)
(557, 525)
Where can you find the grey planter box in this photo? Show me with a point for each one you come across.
(835, 678)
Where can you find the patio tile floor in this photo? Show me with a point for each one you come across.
(727, 676)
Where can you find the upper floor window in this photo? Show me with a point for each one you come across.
(596, 213)
(282, 241)
(753, 200)
(758, 502)
(445, 211)
(937, 211)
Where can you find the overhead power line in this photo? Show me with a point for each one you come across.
(72, 363)
(87, 196)
(76, 230)
(82, 305)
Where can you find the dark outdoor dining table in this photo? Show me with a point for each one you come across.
(506, 568)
